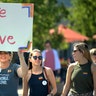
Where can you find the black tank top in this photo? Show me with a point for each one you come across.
(38, 85)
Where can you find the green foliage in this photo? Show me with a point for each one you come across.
(46, 16)
(82, 16)
(59, 41)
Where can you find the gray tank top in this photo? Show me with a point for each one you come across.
(9, 81)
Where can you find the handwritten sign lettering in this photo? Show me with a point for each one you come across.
(16, 21)
(2, 13)
(9, 39)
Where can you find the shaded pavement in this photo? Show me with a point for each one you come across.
(59, 89)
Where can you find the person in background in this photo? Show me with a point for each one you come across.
(38, 77)
(93, 55)
(10, 73)
(51, 58)
(81, 75)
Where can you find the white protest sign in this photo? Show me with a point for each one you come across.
(16, 25)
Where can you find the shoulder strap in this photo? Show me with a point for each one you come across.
(45, 73)
(47, 79)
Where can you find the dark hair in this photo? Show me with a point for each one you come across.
(9, 52)
(47, 41)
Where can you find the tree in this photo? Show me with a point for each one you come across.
(82, 17)
(46, 16)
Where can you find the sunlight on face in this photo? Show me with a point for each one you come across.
(4, 57)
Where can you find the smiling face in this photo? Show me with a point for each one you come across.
(4, 57)
(35, 58)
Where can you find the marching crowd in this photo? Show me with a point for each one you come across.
(39, 74)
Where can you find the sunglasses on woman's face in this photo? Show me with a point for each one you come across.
(39, 57)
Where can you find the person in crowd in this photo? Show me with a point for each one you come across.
(10, 73)
(51, 58)
(81, 75)
(93, 55)
(39, 78)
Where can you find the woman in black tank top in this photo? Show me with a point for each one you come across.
(38, 77)
(81, 75)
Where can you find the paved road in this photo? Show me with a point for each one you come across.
(20, 91)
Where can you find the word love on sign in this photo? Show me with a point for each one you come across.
(8, 39)
(16, 23)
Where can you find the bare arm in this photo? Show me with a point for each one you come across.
(25, 86)
(52, 80)
(22, 71)
(66, 87)
(93, 68)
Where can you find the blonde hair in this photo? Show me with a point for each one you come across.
(82, 47)
(93, 51)
(30, 55)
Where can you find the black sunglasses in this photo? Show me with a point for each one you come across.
(39, 57)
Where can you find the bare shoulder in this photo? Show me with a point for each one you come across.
(93, 67)
(48, 70)
(71, 66)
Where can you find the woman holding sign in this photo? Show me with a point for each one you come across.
(38, 77)
(10, 73)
